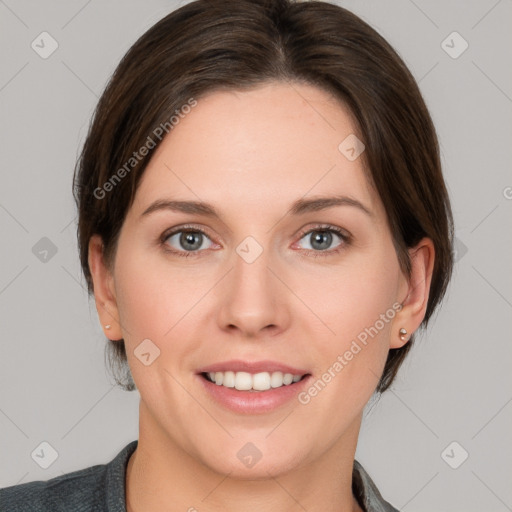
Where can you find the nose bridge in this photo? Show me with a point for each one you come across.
(251, 298)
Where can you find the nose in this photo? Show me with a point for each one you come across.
(253, 301)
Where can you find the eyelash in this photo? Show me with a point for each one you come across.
(345, 237)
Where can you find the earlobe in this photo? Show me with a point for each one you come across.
(415, 303)
(104, 294)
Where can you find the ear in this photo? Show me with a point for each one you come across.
(104, 290)
(416, 292)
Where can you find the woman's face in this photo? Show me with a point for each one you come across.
(261, 282)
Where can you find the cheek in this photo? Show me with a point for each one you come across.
(159, 303)
(354, 296)
(164, 302)
(356, 304)
(357, 307)
(153, 296)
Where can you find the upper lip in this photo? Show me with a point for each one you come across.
(237, 365)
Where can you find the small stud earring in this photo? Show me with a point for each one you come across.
(402, 333)
(108, 326)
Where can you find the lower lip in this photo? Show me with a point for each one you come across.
(253, 402)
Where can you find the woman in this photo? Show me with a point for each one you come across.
(264, 224)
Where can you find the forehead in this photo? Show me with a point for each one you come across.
(264, 147)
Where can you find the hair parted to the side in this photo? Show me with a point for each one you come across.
(209, 45)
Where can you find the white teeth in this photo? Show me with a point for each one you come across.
(229, 379)
(276, 381)
(244, 381)
(261, 381)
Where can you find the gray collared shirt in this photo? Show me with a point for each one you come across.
(101, 488)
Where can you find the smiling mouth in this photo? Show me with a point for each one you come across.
(252, 382)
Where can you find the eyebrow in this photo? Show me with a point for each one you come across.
(299, 207)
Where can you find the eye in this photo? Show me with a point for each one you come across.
(188, 241)
(320, 238)
(185, 241)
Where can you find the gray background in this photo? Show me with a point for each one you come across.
(456, 384)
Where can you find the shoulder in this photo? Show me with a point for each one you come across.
(60, 493)
(96, 488)
(367, 493)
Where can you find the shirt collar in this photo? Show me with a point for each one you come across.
(366, 492)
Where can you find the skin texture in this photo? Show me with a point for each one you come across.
(251, 154)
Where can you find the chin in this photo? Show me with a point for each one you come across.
(245, 460)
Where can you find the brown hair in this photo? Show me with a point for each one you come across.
(208, 45)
